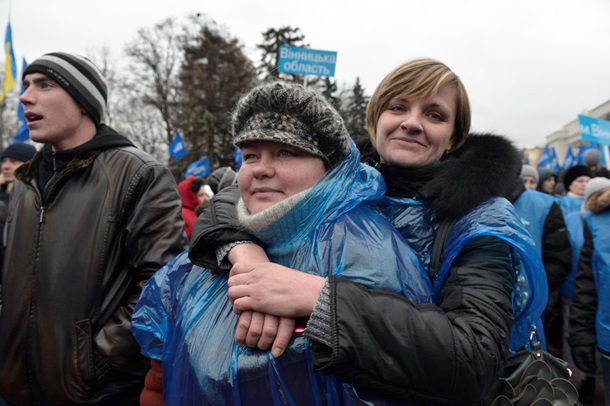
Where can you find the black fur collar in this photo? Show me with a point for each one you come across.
(485, 166)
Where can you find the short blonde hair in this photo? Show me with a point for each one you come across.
(420, 78)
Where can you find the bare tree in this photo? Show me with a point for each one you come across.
(126, 112)
(156, 56)
(9, 123)
(215, 73)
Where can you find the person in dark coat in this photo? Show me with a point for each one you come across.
(11, 158)
(91, 218)
(418, 119)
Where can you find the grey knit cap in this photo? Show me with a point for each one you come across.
(527, 170)
(291, 114)
(595, 185)
(591, 157)
(78, 76)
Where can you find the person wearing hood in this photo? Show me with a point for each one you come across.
(193, 193)
(305, 194)
(91, 218)
(547, 181)
(486, 301)
(221, 178)
(590, 312)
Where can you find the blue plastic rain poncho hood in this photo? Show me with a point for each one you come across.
(185, 319)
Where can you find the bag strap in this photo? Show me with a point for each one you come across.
(438, 248)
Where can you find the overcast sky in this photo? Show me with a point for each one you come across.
(530, 66)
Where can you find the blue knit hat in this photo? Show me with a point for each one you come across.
(19, 151)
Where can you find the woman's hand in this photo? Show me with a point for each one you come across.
(260, 330)
(273, 289)
(256, 329)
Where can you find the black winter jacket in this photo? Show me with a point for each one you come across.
(584, 302)
(422, 353)
(75, 263)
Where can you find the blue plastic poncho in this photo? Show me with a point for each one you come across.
(496, 217)
(599, 225)
(569, 204)
(185, 319)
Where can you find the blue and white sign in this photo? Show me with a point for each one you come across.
(594, 129)
(305, 61)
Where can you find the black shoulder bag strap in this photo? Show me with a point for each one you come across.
(438, 248)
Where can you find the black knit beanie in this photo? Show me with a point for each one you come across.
(78, 76)
(576, 172)
(19, 151)
(291, 114)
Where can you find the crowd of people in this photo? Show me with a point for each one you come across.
(574, 315)
(405, 271)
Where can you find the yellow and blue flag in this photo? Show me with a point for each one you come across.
(23, 133)
(10, 67)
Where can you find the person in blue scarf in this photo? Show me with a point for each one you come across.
(305, 194)
(490, 289)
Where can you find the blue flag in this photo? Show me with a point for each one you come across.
(555, 161)
(570, 160)
(200, 168)
(177, 149)
(23, 133)
(237, 157)
(546, 158)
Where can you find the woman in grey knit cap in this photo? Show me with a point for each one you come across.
(488, 294)
(305, 194)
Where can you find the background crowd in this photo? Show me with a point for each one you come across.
(98, 234)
